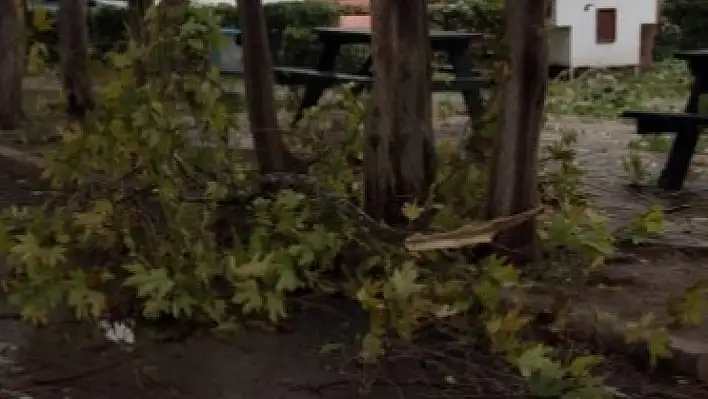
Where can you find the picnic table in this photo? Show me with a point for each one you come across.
(323, 76)
(686, 126)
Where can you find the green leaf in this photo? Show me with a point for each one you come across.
(372, 347)
(411, 211)
(41, 20)
(287, 281)
(582, 365)
(403, 281)
(535, 360)
(659, 345)
(275, 305)
(150, 283)
(248, 295)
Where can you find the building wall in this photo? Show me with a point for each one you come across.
(559, 45)
(580, 16)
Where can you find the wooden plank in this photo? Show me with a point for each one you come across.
(665, 122)
(513, 181)
(300, 76)
(297, 76)
(691, 54)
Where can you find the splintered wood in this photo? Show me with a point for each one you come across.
(468, 235)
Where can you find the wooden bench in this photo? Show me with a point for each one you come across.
(687, 128)
(293, 76)
(302, 76)
(665, 122)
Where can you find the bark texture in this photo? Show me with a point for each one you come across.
(137, 9)
(12, 64)
(73, 53)
(399, 153)
(513, 181)
(259, 82)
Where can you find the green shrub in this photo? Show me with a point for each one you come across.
(683, 26)
(291, 26)
(482, 16)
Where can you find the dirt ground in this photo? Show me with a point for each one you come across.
(315, 360)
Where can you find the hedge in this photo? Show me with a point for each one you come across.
(683, 26)
(292, 22)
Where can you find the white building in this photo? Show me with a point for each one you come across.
(599, 33)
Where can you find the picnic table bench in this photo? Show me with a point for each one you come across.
(318, 79)
(686, 126)
(321, 77)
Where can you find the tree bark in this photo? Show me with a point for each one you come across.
(12, 63)
(399, 152)
(136, 26)
(258, 79)
(513, 183)
(136, 16)
(73, 53)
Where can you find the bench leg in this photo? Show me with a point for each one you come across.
(684, 145)
(462, 64)
(315, 90)
(365, 70)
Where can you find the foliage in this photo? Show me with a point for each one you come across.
(481, 16)
(683, 26)
(560, 179)
(601, 93)
(646, 226)
(157, 213)
(106, 26)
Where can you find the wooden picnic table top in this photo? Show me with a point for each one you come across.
(692, 54)
(233, 32)
(697, 64)
(363, 35)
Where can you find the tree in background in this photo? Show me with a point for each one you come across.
(73, 53)
(12, 63)
(258, 79)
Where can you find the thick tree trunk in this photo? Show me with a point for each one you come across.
(73, 52)
(12, 63)
(258, 79)
(513, 183)
(399, 152)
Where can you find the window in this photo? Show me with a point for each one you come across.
(606, 25)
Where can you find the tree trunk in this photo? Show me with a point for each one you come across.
(258, 79)
(399, 151)
(136, 26)
(513, 183)
(136, 16)
(73, 52)
(12, 63)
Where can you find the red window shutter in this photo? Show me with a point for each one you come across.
(606, 25)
